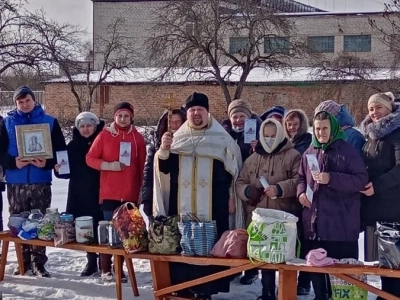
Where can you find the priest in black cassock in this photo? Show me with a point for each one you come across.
(203, 162)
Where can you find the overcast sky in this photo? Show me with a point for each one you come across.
(80, 11)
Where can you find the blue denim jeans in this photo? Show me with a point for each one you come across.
(108, 214)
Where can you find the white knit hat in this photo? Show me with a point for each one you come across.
(86, 117)
(386, 99)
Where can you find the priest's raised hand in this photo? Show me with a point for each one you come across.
(166, 141)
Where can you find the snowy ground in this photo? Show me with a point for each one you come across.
(65, 266)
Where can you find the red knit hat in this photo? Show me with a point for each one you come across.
(124, 106)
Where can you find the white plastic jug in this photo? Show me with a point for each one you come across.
(84, 229)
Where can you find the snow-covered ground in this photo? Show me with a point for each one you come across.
(65, 267)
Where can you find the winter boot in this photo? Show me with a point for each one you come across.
(267, 296)
(106, 274)
(91, 265)
(39, 270)
(249, 277)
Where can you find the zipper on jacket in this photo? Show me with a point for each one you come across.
(29, 165)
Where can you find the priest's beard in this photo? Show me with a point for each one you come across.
(197, 123)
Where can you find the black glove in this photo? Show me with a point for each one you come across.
(254, 195)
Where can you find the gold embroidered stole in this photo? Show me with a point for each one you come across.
(195, 186)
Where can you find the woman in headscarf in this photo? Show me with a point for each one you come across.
(276, 159)
(84, 182)
(329, 193)
(382, 156)
(119, 181)
(346, 122)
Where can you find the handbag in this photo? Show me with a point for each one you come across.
(130, 227)
(198, 237)
(164, 235)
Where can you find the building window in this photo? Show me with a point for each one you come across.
(321, 44)
(357, 43)
(276, 45)
(102, 95)
(189, 29)
(238, 45)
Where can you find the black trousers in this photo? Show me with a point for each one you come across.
(303, 279)
(338, 250)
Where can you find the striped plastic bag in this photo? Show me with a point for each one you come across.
(198, 237)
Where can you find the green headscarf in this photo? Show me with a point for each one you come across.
(336, 133)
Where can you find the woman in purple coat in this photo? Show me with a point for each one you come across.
(331, 217)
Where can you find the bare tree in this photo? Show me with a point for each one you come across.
(390, 28)
(64, 45)
(16, 44)
(344, 66)
(192, 36)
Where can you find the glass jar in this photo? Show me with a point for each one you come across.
(52, 215)
(35, 215)
(102, 233)
(113, 238)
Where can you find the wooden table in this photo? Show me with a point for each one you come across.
(287, 288)
(118, 256)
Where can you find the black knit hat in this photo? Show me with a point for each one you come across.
(22, 92)
(197, 99)
(124, 106)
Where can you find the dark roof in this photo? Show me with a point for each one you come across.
(279, 5)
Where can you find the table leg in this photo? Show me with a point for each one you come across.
(118, 272)
(287, 289)
(20, 258)
(161, 277)
(132, 276)
(3, 261)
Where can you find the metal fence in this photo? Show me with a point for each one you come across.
(7, 103)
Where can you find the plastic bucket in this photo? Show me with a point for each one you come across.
(84, 229)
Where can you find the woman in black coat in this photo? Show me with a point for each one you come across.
(382, 156)
(84, 182)
(177, 119)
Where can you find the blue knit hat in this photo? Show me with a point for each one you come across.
(22, 92)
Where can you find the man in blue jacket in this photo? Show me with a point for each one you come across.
(28, 182)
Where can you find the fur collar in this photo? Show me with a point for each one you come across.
(384, 127)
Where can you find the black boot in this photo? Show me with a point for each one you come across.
(39, 270)
(91, 265)
(268, 296)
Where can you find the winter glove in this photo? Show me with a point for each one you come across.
(254, 195)
(110, 166)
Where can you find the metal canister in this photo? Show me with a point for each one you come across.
(113, 238)
(102, 233)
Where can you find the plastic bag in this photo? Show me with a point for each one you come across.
(64, 233)
(131, 228)
(233, 243)
(15, 222)
(164, 235)
(272, 236)
(28, 230)
(388, 244)
(198, 237)
(341, 289)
